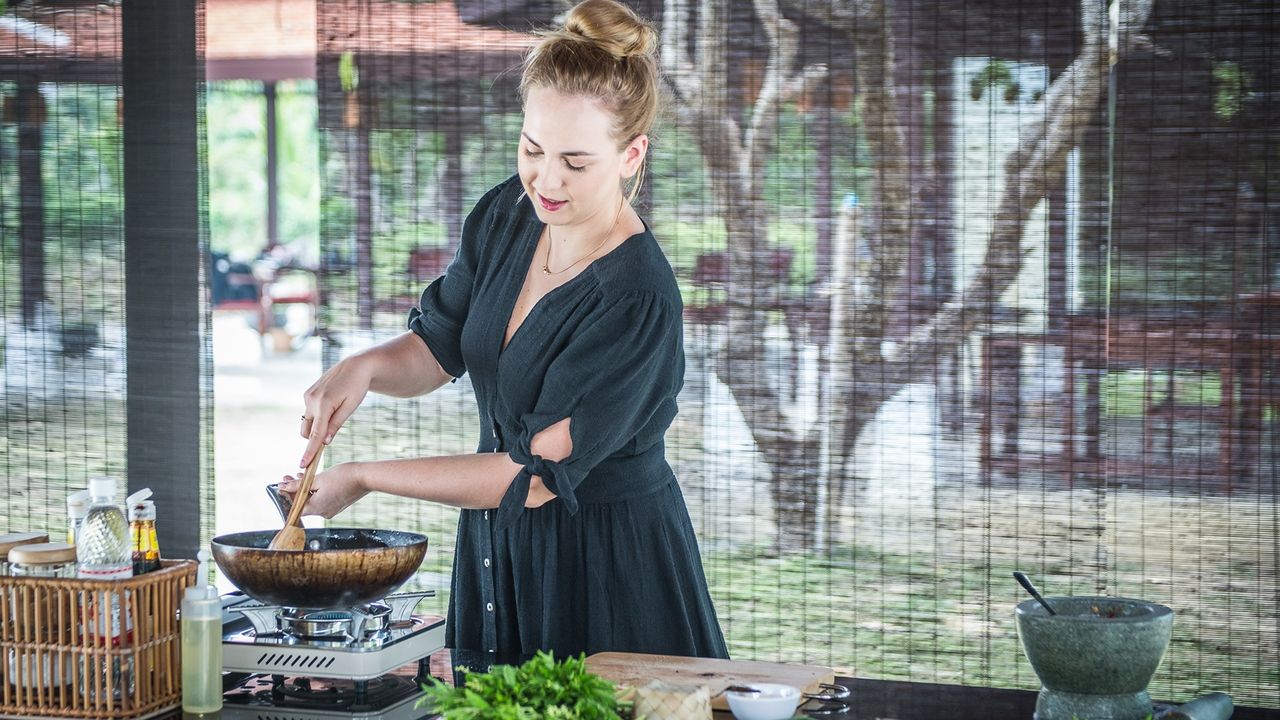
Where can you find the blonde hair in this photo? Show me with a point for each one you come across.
(606, 52)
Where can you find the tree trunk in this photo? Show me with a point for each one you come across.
(865, 374)
(1032, 170)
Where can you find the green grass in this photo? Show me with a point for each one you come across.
(1124, 392)
(897, 616)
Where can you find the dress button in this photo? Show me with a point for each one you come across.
(486, 562)
(489, 607)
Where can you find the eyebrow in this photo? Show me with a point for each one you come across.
(571, 153)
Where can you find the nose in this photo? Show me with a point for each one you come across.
(550, 175)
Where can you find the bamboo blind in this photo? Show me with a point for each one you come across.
(980, 300)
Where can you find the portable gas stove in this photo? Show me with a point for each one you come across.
(362, 662)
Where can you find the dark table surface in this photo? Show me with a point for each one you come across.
(894, 700)
(889, 699)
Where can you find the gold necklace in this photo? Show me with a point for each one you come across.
(546, 264)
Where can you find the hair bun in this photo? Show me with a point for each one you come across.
(613, 27)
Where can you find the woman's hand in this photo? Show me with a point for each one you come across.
(332, 491)
(331, 400)
(400, 367)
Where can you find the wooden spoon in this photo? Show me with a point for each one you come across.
(293, 536)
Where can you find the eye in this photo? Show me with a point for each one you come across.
(575, 168)
(529, 152)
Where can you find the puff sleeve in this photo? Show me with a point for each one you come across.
(443, 307)
(616, 380)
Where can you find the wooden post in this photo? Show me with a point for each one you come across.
(30, 118)
(273, 154)
(362, 178)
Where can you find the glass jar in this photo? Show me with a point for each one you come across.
(13, 540)
(45, 559)
(41, 627)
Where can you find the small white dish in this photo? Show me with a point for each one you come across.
(771, 701)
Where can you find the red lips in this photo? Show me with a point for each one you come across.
(551, 205)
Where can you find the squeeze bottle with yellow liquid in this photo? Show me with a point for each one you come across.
(201, 644)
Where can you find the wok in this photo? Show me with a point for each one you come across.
(341, 567)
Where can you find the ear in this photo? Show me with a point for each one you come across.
(633, 155)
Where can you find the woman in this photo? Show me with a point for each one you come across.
(573, 535)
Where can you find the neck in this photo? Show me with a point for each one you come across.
(590, 232)
(576, 248)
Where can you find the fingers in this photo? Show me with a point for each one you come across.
(323, 427)
(314, 442)
(329, 402)
(289, 486)
(318, 430)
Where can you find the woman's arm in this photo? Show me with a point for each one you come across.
(476, 481)
(400, 367)
(403, 367)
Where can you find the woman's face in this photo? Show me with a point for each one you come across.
(569, 162)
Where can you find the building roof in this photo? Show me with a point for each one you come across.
(256, 39)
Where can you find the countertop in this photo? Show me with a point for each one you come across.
(895, 700)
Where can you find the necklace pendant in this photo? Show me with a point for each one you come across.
(546, 270)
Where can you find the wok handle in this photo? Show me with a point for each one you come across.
(304, 491)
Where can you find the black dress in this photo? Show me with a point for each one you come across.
(612, 563)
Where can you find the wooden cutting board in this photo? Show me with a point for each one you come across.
(636, 669)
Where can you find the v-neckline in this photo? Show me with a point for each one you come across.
(527, 260)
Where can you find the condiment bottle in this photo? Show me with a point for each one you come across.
(12, 540)
(142, 530)
(201, 644)
(78, 504)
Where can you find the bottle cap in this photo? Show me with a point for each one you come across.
(142, 510)
(43, 554)
(138, 497)
(200, 601)
(78, 504)
(13, 540)
(102, 487)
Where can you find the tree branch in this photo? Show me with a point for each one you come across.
(1032, 170)
(710, 58)
(676, 63)
(880, 270)
(782, 56)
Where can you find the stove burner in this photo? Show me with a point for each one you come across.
(344, 696)
(356, 623)
(360, 621)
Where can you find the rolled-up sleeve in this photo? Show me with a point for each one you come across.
(610, 380)
(443, 307)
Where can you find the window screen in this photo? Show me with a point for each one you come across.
(969, 287)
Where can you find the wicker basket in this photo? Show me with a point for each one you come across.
(92, 648)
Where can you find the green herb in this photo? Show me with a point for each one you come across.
(540, 688)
